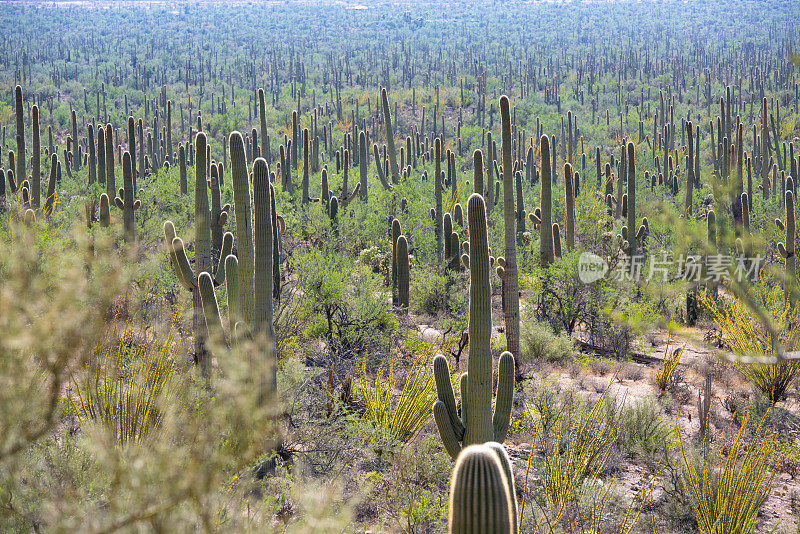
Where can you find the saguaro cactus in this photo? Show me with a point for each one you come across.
(392, 152)
(21, 174)
(254, 265)
(125, 199)
(569, 204)
(402, 272)
(545, 217)
(787, 247)
(477, 424)
(481, 495)
(36, 173)
(510, 278)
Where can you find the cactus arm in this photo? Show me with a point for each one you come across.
(446, 433)
(504, 397)
(227, 247)
(232, 288)
(444, 391)
(185, 273)
(211, 309)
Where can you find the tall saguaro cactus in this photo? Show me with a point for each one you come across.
(545, 216)
(21, 174)
(254, 244)
(477, 424)
(511, 285)
(36, 173)
(387, 121)
(787, 248)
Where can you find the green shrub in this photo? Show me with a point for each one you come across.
(433, 293)
(538, 343)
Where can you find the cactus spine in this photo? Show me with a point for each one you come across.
(477, 424)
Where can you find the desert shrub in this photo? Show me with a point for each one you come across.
(750, 340)
(433, 293)
(726, 495)
(347, 304)
(642, 430)
(538, 343)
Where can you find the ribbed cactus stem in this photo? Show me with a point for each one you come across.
(183, 174)
(20, 171)
(244, 225)
(511, 286)
(111, 186)
(545, 216)
(631, 207)
(437, 192)
(479, 424)
(36, 173)
(202, 215)
(569, 203)
(402, 272)
(480, 496)
(126, 201)
(392, 151)
(396, 231)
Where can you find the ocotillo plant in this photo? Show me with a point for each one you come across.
(510, 278)
(125, 199)
(477, 424)
(481, 494)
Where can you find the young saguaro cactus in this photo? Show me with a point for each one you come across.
(477, 424)
(125, 199)
(481, 494)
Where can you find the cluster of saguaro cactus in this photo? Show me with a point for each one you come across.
(477, 423)
(249, 277)
(482, 496)
(210, 249)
